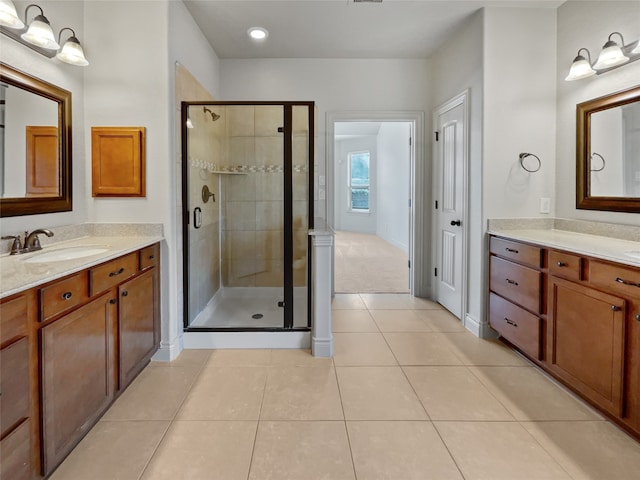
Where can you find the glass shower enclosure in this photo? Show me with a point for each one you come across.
(247, 206)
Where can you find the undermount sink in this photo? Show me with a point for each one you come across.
(633, 254)
(68, 253)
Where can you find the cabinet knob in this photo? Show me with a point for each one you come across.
(66, 295)
(615, 308)
(113, 301)
(151, 257)
(638, 317)
(125, 293)
(562, 264)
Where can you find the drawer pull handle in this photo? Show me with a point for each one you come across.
(510, 322)
(562, 264)
(125, 293)
(117, 272)
(113, 301)
(627, 282)
(512, 250)
(512, 282)
(66, 295)
(615, 308)
(151, 257)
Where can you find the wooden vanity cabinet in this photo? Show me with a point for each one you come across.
(77, 353)
(17, 381)
(68, 348)
(587, 331)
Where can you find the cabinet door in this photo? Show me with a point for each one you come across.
(77, 376)
(586, 339)
(136, 325)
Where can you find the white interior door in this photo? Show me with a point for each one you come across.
(450, 207)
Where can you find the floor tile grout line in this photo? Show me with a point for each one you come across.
(453, 459)
(346, 429)
(171, 422)
(264, 394)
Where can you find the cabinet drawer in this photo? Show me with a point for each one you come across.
(14, 384)
(63, 295)
(615, 278)
(519, 252)
(149, 257)
(16, 454)
(112, 273)
(13, 319)
(565, 265)
(521, 285)
(516, 325)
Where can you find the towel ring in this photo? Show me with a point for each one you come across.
(594, 154)
(525, 155)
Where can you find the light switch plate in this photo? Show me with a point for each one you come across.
(545, 205)
(321, 194)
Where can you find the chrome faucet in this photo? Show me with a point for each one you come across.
(31, 241)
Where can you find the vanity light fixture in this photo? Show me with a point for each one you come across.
(258, 33)
(581, 67)
(9, 16)
(71, 52)
(39, 36)
(39, 32)
(612, 56)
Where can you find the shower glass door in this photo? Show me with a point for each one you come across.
(246, 210)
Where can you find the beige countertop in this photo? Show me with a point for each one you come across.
(613, 249)
(16, 274)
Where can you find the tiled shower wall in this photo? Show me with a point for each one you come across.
(253, 197)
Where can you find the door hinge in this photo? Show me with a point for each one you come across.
(410, 140)
(435, 272)
(437, 135)
(408, 263)
(409, 203)
(436, 204)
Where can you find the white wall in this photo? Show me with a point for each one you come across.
(457, 67)
(335, 85)
(68, 77)
(393, 184)
(362, 222)
(588, 24)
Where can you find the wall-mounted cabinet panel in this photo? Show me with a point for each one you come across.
(118, 161)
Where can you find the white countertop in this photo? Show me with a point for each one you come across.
(596, 246)
(17, 275)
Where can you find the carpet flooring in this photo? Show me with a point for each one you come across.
(366, 263)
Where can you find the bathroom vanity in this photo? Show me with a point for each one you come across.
(570, 302)
(74, 334)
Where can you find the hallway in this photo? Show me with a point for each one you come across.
(408, 395)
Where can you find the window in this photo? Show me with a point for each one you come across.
(359, 181)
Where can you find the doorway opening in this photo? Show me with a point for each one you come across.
(372, 205)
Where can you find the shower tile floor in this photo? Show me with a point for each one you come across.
(237, 307)
(408, 395)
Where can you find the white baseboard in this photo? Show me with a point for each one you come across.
(481, 330)
(322, 347)
(247, 340)
(169, 351)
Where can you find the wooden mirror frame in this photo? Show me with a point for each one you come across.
(584, 110)
(12, 207)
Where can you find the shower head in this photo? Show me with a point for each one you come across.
(214, 115)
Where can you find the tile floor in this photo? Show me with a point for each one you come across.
(408, 395)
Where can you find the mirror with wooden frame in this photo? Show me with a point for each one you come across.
(608, 152)
(35, 145)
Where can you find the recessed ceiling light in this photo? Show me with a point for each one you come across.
(258, 33)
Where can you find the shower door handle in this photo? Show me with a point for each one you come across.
(197, 217)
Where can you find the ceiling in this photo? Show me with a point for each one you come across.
(337, 28)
